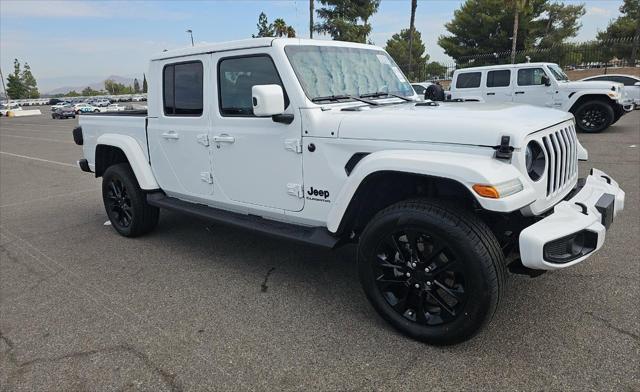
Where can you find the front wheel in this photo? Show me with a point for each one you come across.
(434, 272)
(594, 116)
(126, 203)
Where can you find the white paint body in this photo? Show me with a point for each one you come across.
(631, 89)
(254, 165)
(560, 95)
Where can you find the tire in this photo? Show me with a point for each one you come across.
(53, 117)
(455, 279)
(594, 116)
(96, 111)
(125, 203)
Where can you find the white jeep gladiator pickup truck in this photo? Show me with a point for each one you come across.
(595, 104)
(325, 142)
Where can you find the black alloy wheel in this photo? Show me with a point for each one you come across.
(118, 202)
(594, 116)
(420, 277)
(125, 203)
(432, 269)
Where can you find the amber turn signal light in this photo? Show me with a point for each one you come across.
(486, 191)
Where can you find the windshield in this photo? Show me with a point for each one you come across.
(325, 71)
(558, 73)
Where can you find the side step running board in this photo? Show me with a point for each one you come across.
(318, 236)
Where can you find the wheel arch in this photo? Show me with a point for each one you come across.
(386, 177)
(112, 149)
(580, 98)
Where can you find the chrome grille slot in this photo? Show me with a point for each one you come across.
(560, 146)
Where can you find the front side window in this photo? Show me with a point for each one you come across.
(182, 89)
(468, 80)
(330, 71)
(499, 78)
(530, 77)
(236, 78)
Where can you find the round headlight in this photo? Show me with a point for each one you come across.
(534, 160)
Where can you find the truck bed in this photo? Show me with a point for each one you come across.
(130, 123)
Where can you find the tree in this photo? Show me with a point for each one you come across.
(89, 92)
(115, 88)
(136, 86)
(398, 48)
(144, 83)
(340, 19)
(278, 28)
(264, 28)
(625, 27)
(29, 83)
(15, 85)
(412, 26)
(518, 5)
(435, 70)
(481, 27)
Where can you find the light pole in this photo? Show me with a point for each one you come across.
(191, 34)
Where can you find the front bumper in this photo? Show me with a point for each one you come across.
(576, 228)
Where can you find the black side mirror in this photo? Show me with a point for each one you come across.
(546, 81)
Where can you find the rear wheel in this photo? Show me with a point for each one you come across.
(432, 271)
(126, 203)
(594, 116)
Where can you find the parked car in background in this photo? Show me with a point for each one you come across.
(421, 88)
(631, 90)
(61, 104)
(137, 98)
(103, 103)
(115, 107)
(85, 108)
(63, 112)
(5, 108)
(596, 104)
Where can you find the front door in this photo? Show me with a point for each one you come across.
(255, 159)
(530, 87)
(178, 143)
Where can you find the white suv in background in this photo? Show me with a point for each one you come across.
(596, 105)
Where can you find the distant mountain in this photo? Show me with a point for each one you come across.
(96, 86)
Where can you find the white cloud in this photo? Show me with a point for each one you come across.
(597, 11)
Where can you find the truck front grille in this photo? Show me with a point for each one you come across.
(560, 145)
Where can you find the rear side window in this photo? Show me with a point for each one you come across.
(468, 80)
(236, 78)
(624, 80)
(499, 78)
(530, 76)
(182, 89)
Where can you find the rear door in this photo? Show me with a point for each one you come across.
(498, 87)
(467, 85)
(178, 136)
(531, 89)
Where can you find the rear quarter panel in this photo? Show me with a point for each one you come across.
(93, 126)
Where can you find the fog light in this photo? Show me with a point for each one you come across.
(571, 247)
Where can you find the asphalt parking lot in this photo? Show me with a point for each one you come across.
(195, 306)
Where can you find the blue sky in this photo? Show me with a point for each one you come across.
(77, 42)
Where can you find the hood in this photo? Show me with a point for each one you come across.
(467, 123)
(590, 85)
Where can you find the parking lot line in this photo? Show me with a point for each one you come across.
(37, 159)
(39, 138)
(19, 203)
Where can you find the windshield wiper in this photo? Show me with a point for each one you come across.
(385, 94)
(339, 97)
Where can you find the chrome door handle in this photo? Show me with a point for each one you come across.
(171, 135)
(224, 138)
